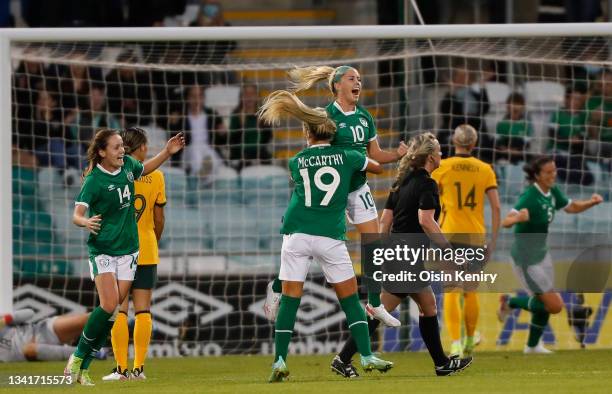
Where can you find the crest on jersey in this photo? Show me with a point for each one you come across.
(130, 176)
(363, 122)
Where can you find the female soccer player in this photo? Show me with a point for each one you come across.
(415, 207)
(532, 214)
(108, 194)
(355, 129)
(314, 227)
(149, 205)
(464, 182)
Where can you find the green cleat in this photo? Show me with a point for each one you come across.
(85, 379)
(73, 368)
(468, 347)
(456, 349)
(371, 362)
(279, 371)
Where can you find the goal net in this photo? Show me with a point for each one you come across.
(228, 190)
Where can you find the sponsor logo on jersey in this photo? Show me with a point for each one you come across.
(342, 125)
(130, 176)
(363, 122)
(174, 304)
(111, 188)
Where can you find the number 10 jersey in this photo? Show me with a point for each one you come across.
(322, 176)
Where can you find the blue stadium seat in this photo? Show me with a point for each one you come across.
(265, 185)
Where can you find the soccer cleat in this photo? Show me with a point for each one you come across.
(538, 349)
(272, 303)
(456, 349)
(371, 362)
(117, 374)
(504, 309)
(84, 379)
(346, 370)
(279, 371)
(468, 346)
(73, 368)
(454, 365)
(380, 313)
(138, 373)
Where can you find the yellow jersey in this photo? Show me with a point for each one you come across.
(150, 191)
(463, 182)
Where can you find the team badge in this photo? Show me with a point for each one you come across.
(363, 122)
(130, 176)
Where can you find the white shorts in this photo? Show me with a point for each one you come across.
(300, 249)
(360, 207)
(536, 278)
(124, 267)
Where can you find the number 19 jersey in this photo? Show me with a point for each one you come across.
(322, 176)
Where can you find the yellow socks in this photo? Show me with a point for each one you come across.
(471, 311)
(452, 315)
(142, 337)
(120, 338)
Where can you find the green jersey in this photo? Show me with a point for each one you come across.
(531, 248)
(568, 126)
(322, 176)
(354, 130)
(514, 128)
(605, 105)
(111, 195)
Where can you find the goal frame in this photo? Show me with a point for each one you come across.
(10, 36)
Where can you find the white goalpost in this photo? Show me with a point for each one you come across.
(221, 243)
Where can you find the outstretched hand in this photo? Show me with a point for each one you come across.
(176, 143)
(93, 224)
(402, 149)
(596, 199)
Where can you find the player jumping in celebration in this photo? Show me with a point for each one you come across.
(464, 181)
(314, 226)
(108, 194)
(532, 214)
(413, 207)
(149, 204)
(355, 129)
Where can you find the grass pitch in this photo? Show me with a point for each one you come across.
(492, 372)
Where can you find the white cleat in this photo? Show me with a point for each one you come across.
(380, 313)
(138, 374)
(538, 349)
(272, 303)
(117, 375)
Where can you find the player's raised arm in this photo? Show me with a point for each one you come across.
(577, 206)
(174, 145)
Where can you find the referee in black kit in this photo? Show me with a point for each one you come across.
(413, 207)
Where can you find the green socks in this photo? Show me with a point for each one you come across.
(374, 299)
(99, 343)
(357, 323)
(277, 285)
(285, 320)
(531, 304)
(539, 317)
(95, 329)
(539, 320)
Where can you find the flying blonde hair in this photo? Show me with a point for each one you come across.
(283, 104)
(303, 78)
(419, 148)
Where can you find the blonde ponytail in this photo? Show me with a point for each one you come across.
(419, 148)
(304, 78)
(283, 104)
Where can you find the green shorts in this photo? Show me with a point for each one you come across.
(146, 277)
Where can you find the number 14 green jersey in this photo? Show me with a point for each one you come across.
(112, 196)
(322, 176)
